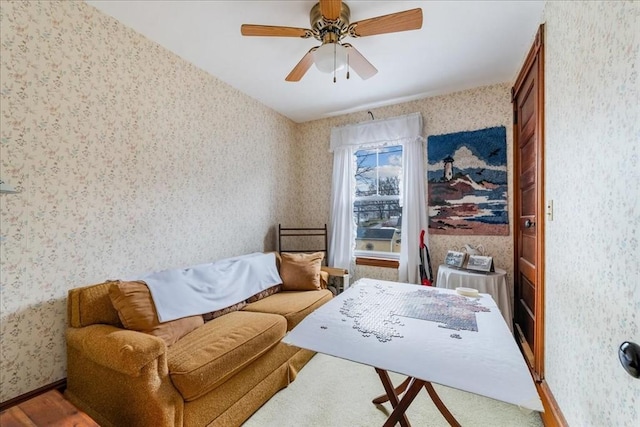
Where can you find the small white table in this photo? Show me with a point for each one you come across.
(494, 284)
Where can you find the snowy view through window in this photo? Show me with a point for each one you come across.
(378, 204)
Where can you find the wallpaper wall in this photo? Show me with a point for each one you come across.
(592, 174)
(128, 159)
(467, 110)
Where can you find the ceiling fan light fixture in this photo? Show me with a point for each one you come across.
(330, 57)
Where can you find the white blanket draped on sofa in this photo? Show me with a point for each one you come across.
(209, 287)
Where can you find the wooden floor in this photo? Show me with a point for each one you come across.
(47, 409)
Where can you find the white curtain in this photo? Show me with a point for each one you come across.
(406, 131)
(414, 210)
(342, 237)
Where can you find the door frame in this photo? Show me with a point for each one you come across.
(536, 52)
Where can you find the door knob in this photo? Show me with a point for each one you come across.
(528, 223)
(629, 354)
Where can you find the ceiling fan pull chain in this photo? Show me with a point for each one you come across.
(347, 66)
(334, 62)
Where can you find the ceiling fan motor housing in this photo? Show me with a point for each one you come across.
(328, 31)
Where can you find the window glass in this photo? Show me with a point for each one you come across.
(378, 203)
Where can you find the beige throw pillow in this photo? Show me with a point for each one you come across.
(301, 272)
(133, 302)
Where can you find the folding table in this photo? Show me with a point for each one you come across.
(431, 335)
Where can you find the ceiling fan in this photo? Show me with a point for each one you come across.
(330, 25)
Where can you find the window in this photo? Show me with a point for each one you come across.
(387, 136)
(378, 203)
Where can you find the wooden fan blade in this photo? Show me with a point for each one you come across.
(274, 31)
(392, 23)
(359, 63)
(330, 9)
(302, 67)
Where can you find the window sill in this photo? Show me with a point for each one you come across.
(377, 262)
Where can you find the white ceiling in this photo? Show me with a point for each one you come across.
(462, 44)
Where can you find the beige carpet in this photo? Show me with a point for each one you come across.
(331, 392)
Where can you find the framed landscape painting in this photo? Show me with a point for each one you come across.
(467, 180)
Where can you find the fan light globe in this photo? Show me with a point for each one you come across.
(330, 57)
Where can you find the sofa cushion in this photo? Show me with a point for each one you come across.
(301, 271)
(293, 305)
(133, 302)
(215, 314)
(213, 353)
(263, 294)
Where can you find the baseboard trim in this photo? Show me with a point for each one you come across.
(552, 416)
(59, 385)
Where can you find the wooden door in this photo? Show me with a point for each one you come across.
(528, 107)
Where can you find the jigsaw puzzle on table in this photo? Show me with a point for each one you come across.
(378, 313)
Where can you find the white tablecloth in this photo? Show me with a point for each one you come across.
(494, 284)
(362, 324)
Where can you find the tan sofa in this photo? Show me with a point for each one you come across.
(216, 375)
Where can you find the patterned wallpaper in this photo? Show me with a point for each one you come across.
(592, 173)
(128, 159)
(467, 110)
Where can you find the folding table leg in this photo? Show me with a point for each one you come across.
(399, 390)
(393, 398)
(412, 387)
(441, 407)
(400, 408)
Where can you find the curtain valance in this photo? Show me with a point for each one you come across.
(377, 131)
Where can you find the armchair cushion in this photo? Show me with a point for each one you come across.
(134, 305)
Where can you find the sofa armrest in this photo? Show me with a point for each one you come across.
(119, 349)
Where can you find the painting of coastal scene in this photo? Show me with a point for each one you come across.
(467, 176)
